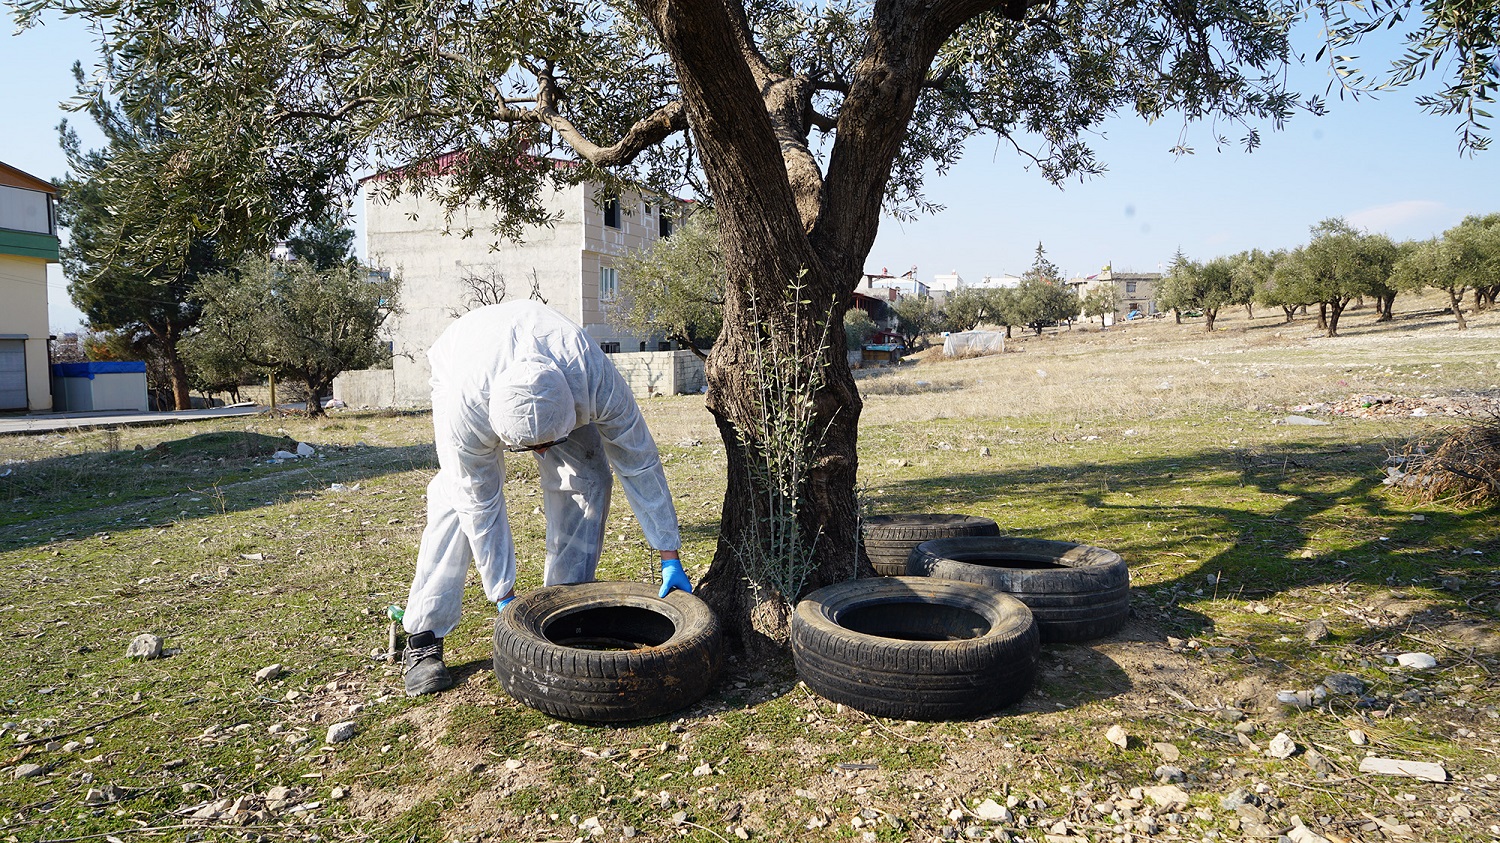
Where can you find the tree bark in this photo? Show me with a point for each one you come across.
(1291, 313)
(1323, 315)
(1334, 310)
(1455, 303)
(1384, 305)
(1209, 315)
(181, 396)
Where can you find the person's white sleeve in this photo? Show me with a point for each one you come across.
(632, 454)
(478, 470)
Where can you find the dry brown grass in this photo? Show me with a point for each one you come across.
(1139, 371)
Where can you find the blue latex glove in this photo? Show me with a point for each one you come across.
(672, 576)
(500, 605)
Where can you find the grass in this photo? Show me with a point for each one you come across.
(1157, 441)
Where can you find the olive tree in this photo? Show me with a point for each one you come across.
(675, 286)
(803, 122)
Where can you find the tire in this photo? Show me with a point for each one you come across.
(915, 648)
(1076, 592)
(607, 651)
(890, 539)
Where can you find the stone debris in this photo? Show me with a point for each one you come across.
(1302, 699)
(1416, 661)
(1392, 406)
(268, 673)
(27, 771)
(1316, 630)
(1169, 774)
(1117, 736)
(1282, 746)
(1169, 796)
(1304, 421)
(1358, 737)
(1168, 752)
(1344, 684)
(1317, 761)
(1300, 833)
(144, 646)
(992, 811)
(343, 731)
(1425, 770)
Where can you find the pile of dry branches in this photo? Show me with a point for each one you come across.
(1460, 466)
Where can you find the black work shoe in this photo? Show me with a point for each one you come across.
(422, 665)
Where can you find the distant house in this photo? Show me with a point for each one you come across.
(1135, 292)
(28, 243)
(571, 266)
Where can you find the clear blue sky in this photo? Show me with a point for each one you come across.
(1382, 164)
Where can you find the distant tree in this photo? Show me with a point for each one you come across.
(1252, 272)
(1205, 287)
(858, 328)
(1042, 298)
(293, 319)
(325, 242)
(675, 287)
(132, 252)
(1174, 293)
(1039, 303)
(1475, 255)
(967, 308)
(482, 286)
(1100, 300)
(1429, 263)
(916, 317)
(1283, 287)
(1340, 264)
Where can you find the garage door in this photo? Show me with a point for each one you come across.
(12, 374)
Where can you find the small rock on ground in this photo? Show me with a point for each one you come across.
(144, 646)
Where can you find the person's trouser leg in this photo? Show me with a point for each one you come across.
(576, 485)
(443, 558)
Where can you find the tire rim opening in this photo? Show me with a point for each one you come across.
(915, 622)
(610, 628)
(1020, 563)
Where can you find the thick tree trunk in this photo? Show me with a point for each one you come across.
(181, 396)
(1323, 315)
(1334, 310)
(1291, 313)
(1456, 304)
(1209, 315)
(1383, 305)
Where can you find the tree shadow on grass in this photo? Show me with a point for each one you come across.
(1259, 520)
(206, 475)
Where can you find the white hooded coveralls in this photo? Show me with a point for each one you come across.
(522, 374)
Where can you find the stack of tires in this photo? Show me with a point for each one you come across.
(959, 635)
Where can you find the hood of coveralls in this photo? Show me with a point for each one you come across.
(530, 403)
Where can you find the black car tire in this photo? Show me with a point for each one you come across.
(607, 651)
(890, 539)
(1077, 592)
(915, 648)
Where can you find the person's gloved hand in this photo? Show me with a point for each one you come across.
(501, 603)
(672, 576)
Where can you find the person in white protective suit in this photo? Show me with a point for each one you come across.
(519, 377)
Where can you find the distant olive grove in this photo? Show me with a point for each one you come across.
(1338, 266)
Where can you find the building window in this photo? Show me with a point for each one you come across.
(1129, 288)
(664, 346)
(664, 224)
(610, 347)
(609, 282)
(612, 213)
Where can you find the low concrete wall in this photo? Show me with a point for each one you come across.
(661, 372)
(366, 388)
(648, 373)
